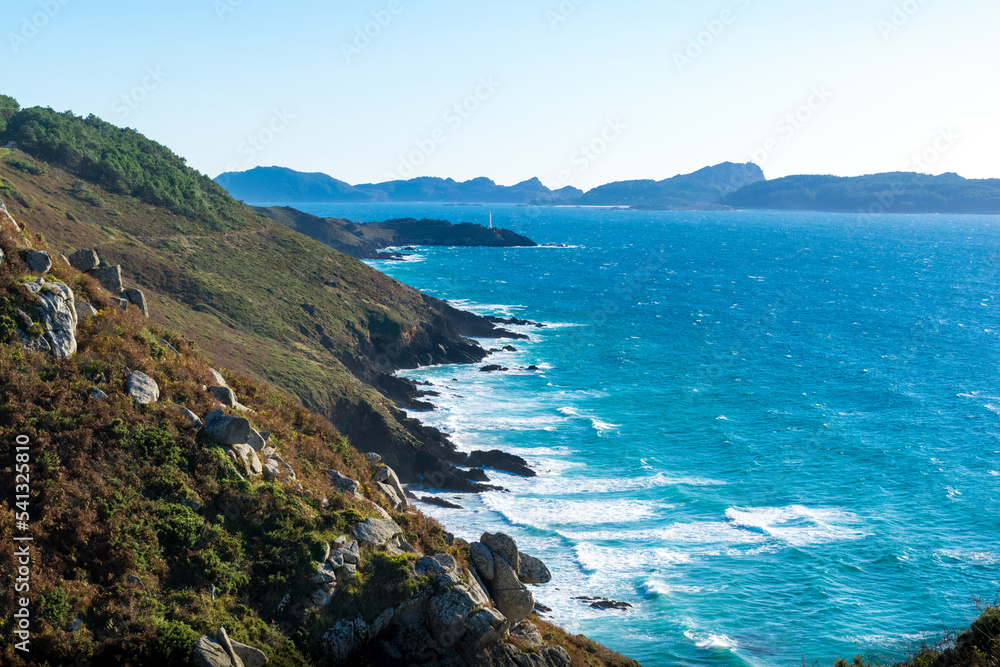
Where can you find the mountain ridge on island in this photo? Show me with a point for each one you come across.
(724, 186)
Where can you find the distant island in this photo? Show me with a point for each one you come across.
(723, 186)
(368, 240)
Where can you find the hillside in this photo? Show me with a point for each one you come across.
(280, 185)
(704, 187)
(900, 192)
(167, 515)
(363, 241)
(258, 297)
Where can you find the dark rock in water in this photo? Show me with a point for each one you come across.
(477, 475)
(440, 502)
(502, 461)
(492, 368)
(531, 368)
(541, 609)
(515, 321)
(509, 348)
(604, 603)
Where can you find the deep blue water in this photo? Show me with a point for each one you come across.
(777, 435)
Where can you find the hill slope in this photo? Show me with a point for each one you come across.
(156, 527)
(255, 295)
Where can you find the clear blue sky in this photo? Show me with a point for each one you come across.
(884, 88)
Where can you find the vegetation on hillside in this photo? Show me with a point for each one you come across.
(977, 646)
(119, 160)
(258, 298)
(134, 520)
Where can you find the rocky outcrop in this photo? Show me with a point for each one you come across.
(142, 388)
(224, 430)
(452, 622)
(5, 216)
(137, 297)
(84, 260)
(343, 483)
(224, 652)
(59, 319)
(505, 571)
(110, 277)
(388, 483)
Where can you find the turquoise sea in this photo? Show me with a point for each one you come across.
(776, 435)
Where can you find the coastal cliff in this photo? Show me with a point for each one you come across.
(365, 241)
(181, 515)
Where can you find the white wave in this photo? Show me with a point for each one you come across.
(995, 473)
(699, 532)
(569, 412)
(548, 512)
(797, 525)
(601, 427)
(975, 557)
(708, 640)
(577, 485)
(594, 559)
(654, 588)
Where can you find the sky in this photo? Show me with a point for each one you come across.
(574, 92)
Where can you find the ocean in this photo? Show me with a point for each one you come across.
(775, 435)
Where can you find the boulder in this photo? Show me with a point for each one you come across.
(377, 532)
(227, 646)
(532, 570)
(448, 611)
(340, 641)
(394, 500)
(512, 598)
(429, 567)
(224, 395)
(209, 653)
(486, 627)
(256, 440)
(137, 297)
(347, 573)
(250, 656)
(248, 459)
(84, 260)
(142, 388)
(528, 635)
(85, 310)
(110, 277)
(5, 216)
(387, 477)
(502, 546)
(482, 559)
(373, 457)
(58, 309)
(39, 261)
(324, 575)
(191, 417)
(270, 472)
(342, 483)
(224, 430)
(121, 303)
(217, 376)
(98, 395)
